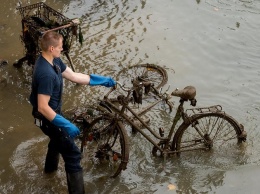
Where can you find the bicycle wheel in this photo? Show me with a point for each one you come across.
(148, 72)
(211, 131)
(105, 147)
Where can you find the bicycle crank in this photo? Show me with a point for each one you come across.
(164, 146)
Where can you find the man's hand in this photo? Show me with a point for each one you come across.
(101, 80)
(63, 123)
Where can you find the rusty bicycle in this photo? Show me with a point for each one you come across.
(105, 138)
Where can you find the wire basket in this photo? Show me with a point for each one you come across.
(42, 11)
(39, 18)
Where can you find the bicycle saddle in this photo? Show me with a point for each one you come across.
(188, 93)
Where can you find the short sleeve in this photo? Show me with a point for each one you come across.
(46, 85)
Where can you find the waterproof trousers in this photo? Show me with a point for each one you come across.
(62, 143)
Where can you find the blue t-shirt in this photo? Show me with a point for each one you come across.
(47, 79)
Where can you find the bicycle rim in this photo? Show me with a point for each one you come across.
(149, 72)
(105, 148)
(212, 131)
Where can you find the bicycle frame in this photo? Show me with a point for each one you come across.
(119, 113)
(197, 130)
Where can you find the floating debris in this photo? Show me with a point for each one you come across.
(171, 187)
(3, 62)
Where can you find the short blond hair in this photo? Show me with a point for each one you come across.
(50, 38)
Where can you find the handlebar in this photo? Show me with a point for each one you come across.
(188, 93)
(115, 87)
(122, 87)
(143, 84)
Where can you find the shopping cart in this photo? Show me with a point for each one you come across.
(39, 18)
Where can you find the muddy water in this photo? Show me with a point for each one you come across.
(213, 45)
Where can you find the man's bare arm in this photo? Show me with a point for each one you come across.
(79, 78)
(44, 108)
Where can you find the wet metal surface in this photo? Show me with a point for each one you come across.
(213, 45)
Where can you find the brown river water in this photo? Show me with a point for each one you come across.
(213, 45)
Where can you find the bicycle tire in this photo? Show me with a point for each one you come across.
(150, 72)
(221, 130)
(105, 147)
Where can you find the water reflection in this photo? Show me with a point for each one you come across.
(28, 161)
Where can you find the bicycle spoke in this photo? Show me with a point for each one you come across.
(148, 72)
(210, 131)
(106, 149)
(192, 143)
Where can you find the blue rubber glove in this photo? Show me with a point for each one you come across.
(63, 123)
(101, 80)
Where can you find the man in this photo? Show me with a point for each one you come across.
(47, 86)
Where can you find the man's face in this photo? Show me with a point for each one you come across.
(56, 51)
